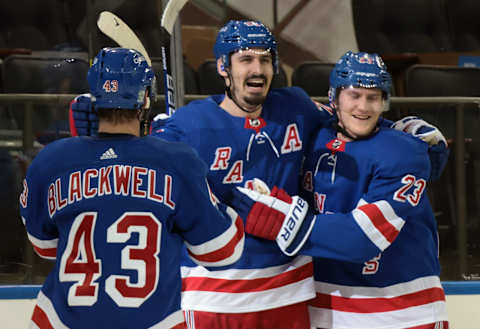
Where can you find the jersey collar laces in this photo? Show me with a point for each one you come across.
(259, 136)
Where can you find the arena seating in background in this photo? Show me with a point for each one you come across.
(412, 26)
(313, 77)
(209, 81)
(392, 26)
(412, 32)
(438, 80)
(280, 79)
(1, 74)
(464, 24)
(12, 235)
(189, 77)
(36, 25)
(141, 17)
(442, 80)
(44, 72)
(62, 24)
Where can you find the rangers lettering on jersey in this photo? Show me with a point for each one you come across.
(292, 141)
(133, 181)
(222, 155)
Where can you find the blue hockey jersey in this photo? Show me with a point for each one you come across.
(114, 213)
(237, 150)
(375, 238)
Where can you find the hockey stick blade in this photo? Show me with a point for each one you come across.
(170, 14)
(117, 30)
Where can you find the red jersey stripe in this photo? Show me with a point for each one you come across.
(45, 252)
(40, 318)
(389, 231)
(380, 304)
(253, 285)
(225, 251)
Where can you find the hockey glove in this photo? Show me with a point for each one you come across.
(83, 119)
(421, 129)
(275, 217)
(437, 150)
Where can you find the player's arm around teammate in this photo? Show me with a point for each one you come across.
(374, 237)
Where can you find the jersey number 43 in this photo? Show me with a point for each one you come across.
(80, 264)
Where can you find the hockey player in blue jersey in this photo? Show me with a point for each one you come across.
(115, 211)
(374, 238)
(251, 132)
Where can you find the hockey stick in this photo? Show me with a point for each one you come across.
(117, 30)
(169, 16)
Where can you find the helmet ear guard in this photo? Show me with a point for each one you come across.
(360, 70)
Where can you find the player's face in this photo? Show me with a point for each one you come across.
(252, 74)
(358, 110)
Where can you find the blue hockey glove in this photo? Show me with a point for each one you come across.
(275, 217)
(83, 119)
(421, 129)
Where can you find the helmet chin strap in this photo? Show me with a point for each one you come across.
(143, 116)
(230, 95)
(341, 130)
(344, 132)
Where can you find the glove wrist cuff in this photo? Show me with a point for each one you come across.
(292, 223)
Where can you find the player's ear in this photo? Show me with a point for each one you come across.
(221, 68)
(147, 99)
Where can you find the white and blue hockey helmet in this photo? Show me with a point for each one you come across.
(119, 78)
(243, 35)
(359, 70)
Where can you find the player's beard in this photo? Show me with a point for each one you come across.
(258, 99)
(254, 100)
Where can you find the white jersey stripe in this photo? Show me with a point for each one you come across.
(375, 292)
(43, 244)
(45, 304)
(227, 252)
(170, 321)
(424, 314)
(245, 274)
(370, 230)
(32, 325)
(379, 222)
(221, 302)
(44, 248)
(219, 241)
(390, 215)
(430, 309)
(281, 285)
